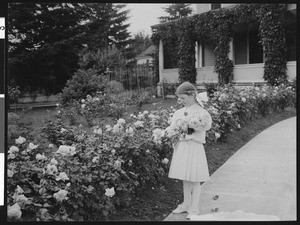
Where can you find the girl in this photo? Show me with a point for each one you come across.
(189, 162)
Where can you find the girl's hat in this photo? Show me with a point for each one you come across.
(186, 88)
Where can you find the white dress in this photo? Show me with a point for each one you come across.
(189, 159)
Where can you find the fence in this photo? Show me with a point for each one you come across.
(136, 78)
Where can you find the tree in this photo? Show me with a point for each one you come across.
(44, 42)
(106, 26)
(101, 60)
(138, 44)
(176, 11)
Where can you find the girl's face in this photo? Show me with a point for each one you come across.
(185, 100)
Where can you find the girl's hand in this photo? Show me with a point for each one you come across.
(186, 138)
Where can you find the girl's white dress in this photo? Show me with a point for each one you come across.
(189, 159)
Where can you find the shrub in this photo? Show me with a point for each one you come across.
(17, 127)
(88, 175)
(83, 83)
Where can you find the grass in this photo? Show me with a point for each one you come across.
(157, 202)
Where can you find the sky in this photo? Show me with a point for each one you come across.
(144, 15)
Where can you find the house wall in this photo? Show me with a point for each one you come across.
(144, 60)
(171, 75)
(206, 74)
(201, 8)
(248, 73)
(291, 70)
(291, 6)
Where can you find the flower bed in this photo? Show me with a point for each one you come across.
(87, 175)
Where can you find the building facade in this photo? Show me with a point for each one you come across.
(246, 52)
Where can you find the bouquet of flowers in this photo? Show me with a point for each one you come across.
(183, 126)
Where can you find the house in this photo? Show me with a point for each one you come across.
(245, 51)
(145, 57)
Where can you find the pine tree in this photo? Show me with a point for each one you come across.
(176, 11)
(107, 26)
(44, 41)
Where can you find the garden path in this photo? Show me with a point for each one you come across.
(259, 179)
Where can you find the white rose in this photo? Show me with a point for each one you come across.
(19, 190)
(21, 199)
(61, 195)
(133, 116)
(130, 130)
(13, 149)
(53, 161)
(217, 135)
(14, 211)
(95, 159)
(117, 164)
(31, 146)
(40, 157)
(20, 140)
(243, 99)
(63, 130)
(10, 173)
(165, 161)
(66, 150)
(82, 101)
(51, 169)
(50, 146)
(98, 131)
(117, 128)
(139, 123)
(121, 121)
(83, 106)
(108, 128)
(110, 192)
(62, 176)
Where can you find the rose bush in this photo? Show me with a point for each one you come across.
(85, 176)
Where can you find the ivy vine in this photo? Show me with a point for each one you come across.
(219, 26)
(273, 39)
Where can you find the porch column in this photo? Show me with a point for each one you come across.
(196, 55)
(200, 55)
(230, 53)
(161, 59)
(160, 68)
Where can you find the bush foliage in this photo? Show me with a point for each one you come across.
(75, 175)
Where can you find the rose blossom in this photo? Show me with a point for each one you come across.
(110, 192)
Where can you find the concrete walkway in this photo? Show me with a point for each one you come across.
(260, 178)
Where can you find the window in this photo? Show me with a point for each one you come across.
(255, 48)
(240, 48)
(247, 48)
(170, 60)
(215, 6)
(290, 38)
(208, 55)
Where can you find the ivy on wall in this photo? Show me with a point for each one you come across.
(186, 52)
(272, 33)
(219, 26)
